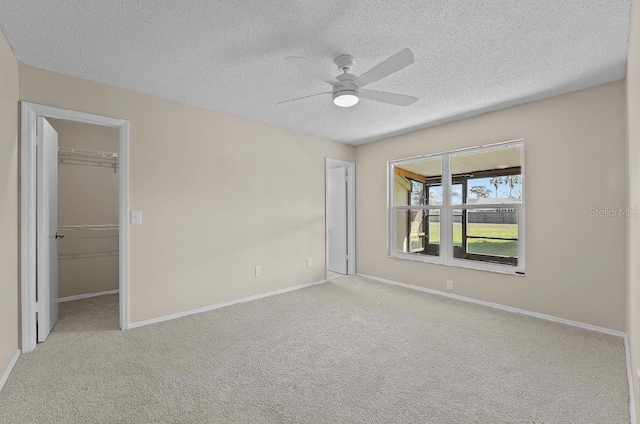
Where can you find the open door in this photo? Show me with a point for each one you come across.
(337, 219)
(47, 224)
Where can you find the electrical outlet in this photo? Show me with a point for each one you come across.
(449, 285)
(258, 271)
(309, 262)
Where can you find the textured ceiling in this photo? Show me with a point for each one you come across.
(470, 56)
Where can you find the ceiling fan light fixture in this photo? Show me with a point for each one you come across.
(345, 99)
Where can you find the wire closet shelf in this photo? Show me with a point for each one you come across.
(88, 240)
(88, 157)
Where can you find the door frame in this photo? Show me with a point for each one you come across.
(351, 213)
(28, 210)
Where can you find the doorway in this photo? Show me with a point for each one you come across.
(340, 218)
(46, 240)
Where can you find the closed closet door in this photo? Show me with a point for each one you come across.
(337, 211)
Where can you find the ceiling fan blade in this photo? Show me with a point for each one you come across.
(302, 98)
(386, 97)
(312, 69)
(393, 64)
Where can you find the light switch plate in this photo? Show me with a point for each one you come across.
(136, 217)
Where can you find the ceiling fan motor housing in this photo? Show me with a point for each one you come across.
(346, 87)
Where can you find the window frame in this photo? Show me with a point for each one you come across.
(447, 208)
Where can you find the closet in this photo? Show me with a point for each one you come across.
(88, 197)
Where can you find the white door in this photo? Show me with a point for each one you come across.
(337, 217)
(47, 243)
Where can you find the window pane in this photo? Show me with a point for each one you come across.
(435, 194)
(415, 182)
(456, 194)
(486, 235)
(418, 231)
(492, 176)
(457, 227)
(417, 195)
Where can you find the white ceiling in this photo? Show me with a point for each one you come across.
(498, 158)
(470, 56)
(430, 167)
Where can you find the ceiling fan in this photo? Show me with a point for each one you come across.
(347, 88)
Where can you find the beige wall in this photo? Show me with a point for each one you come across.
(220, 195)
(8, 204)
(87, 195)
(575, 155)
(633, 155)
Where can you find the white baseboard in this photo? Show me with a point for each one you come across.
(499, 306)
(632, 401)
(86, 295)
(221, 305)
(12, 363)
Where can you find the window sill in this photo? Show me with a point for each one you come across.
(516, 272)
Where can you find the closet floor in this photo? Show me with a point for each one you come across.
(90, 314)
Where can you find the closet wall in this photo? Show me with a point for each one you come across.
(87, 208)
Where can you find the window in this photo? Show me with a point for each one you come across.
(461, 208)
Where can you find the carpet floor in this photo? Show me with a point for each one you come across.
(348, 351)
